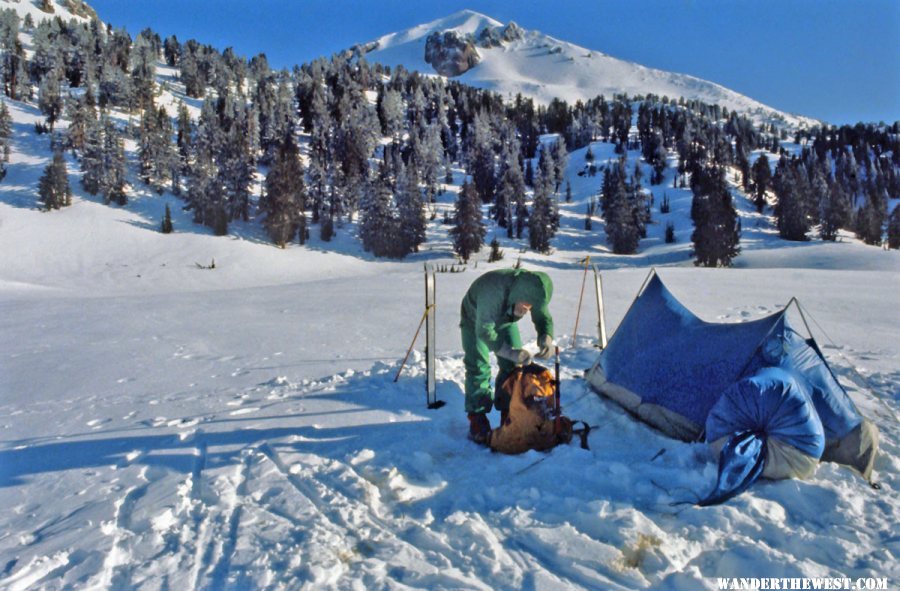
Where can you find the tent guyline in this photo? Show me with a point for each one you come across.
(757, 391)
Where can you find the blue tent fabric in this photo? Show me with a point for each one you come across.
(691, 378)
(786, 349)
(741, 463)
(773, 403)
(665, 354)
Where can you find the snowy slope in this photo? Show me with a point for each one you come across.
(82, 11)
(544, 68)
(167, 426)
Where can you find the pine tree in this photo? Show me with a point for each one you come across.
(510, 186)
(92, 164)
(870, 218)
(560, 159)
(81, 115)
(143, 55)
(5, 135)
(235, 157)
(53, 187)
(620, 210)
(468, 232)
(496, 253)
(541, 224)
(167, 227)
(893, 230)
(410, 211)
(544, 187)
(379, 224)
(482, 158)
(762, 176)
(112, 183)
(792, 210)
(835, 212)
(670, 233)
(716, 226)
(284, 197)
(156, 152)
(50, 99)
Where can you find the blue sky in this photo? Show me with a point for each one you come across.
(836, 60)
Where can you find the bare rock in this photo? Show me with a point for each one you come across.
(451, 54)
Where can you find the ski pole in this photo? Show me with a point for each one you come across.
(587, 263)
(413, 343)
(557, 426)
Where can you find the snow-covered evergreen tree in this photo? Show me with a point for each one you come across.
(50, 99)
(53, 187)
(5, 135)
(481, 157)
(13, 64)
(617, 204)
(144, 53)
(468, 231)
(167, 227)
(792, 211)
(284, 197)
(156, 152)
(762, 176)
(510, 210)
(410, 211)
(379, 224)
(871, 217)
(835, 212)
(716, 226)
(82, 115)
(113, 179)
(893, 231)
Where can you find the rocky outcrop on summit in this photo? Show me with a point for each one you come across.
(497, 36)
(451, 54)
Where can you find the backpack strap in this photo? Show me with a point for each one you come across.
(583, 433)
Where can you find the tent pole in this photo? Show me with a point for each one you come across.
(601, 315)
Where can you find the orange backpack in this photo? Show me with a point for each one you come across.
(530, 422)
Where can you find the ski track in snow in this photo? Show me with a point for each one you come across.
(169, 428)
(305, 507)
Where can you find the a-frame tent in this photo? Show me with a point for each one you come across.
(696, 380)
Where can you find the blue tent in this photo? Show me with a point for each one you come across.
(758, 390)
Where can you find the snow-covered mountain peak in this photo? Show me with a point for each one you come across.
(464, 22)
(510, 60)
(39, 11)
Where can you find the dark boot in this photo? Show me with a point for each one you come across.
(479, 428)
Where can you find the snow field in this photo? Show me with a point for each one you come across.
(168, 426)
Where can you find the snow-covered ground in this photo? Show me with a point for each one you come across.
(164, 425)
(167, 426)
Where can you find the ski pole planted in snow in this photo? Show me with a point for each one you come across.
(558, 424)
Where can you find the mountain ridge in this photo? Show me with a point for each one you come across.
(545, 68)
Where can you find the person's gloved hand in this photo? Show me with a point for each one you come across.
(517, 356)
(545, 347)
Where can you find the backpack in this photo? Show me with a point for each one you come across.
(530, 422)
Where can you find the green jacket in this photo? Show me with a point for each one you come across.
(487, 307)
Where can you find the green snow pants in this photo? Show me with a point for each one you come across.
(477, 361)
